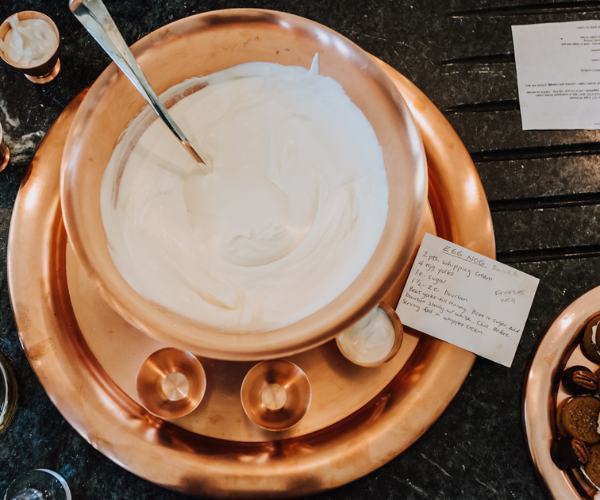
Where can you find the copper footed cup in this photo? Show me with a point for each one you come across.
(276, 394)
(47, 70)
(171, 383)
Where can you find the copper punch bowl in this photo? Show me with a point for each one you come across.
(205, 44)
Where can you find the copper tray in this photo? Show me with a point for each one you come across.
(558, 349)
(56, 327)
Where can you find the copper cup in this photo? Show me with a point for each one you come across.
(46, 71)
(8, 394)
(4, 152)
(276, 394)
(364, 358)
(171, 383)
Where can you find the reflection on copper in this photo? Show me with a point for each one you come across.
(276, 394)
(551, 357)
(171, 383)
(46, 71)
(165, 453)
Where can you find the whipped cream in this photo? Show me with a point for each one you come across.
(289, 217)
(370, 339)
(29, 43)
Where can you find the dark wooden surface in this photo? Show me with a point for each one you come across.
(543, 188)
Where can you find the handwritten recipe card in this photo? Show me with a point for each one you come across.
(467, 299)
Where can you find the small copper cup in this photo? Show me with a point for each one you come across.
(171, 383)
(364, 358)
(45, 71)
(276, 394)
(8, 394)
(4, 152)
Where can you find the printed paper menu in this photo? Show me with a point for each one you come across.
(467, 299)
(558, 74)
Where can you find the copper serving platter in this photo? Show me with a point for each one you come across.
(557, 350)
(85, 357)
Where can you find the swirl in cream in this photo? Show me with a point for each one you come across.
(289, 217)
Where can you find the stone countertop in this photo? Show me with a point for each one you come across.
(459, 53)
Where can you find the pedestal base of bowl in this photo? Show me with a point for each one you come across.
(87, 357)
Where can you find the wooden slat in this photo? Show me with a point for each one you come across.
(540, 178)
(547, 229)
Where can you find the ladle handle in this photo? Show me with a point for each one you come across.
(96, 19)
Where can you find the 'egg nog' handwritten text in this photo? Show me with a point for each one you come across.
(467, 299)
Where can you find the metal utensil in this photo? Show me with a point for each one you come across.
(96, 19)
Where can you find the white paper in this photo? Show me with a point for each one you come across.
(558, 74)
(467, 299)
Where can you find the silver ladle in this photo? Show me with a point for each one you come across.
(95, 18)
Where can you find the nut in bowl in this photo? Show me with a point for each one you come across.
(224, 40)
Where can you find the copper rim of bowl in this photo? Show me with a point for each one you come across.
(276, 394)
(157, 373)
(48, 69)
(4, 151)
(399, 335)
(265, 36)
